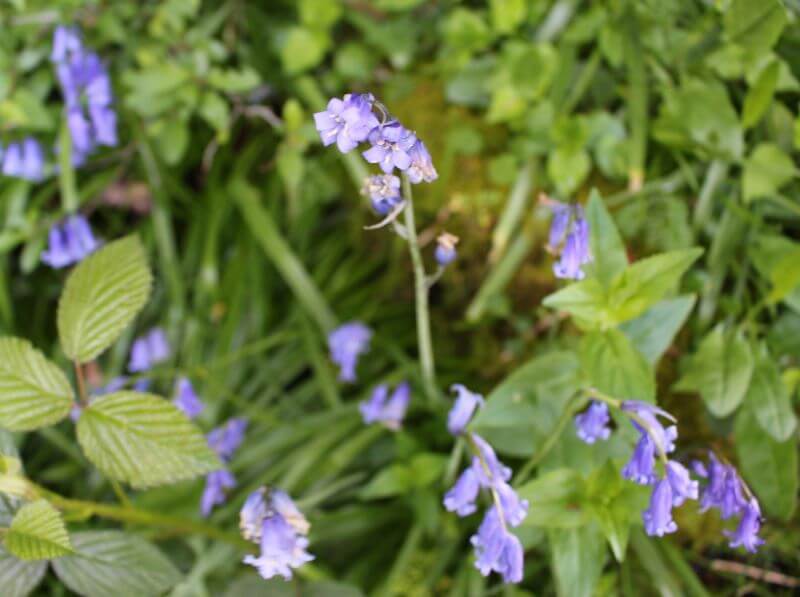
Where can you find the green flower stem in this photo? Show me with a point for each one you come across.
(421, 293)
(82, 396)
(66, 173)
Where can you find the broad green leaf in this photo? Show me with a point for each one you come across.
(612, 365)
(422, 470)
(555, 500)
(303, 49)
(578, 556)
(33, 391)
(768, 466)
(101, 297)
(19, 578)
(252, 585)
(646, 282)
(765, 171)
(756, 26)
(584, 300)
(608, 251)
(768, 399)
(720, 371)
(37, 533)
(568, 168)
(760, 94)
(143, 440)
(653, 331)
(507, 15)
(115, 563)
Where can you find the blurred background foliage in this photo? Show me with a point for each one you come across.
(682, 113)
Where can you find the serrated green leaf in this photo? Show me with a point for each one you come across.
(653, 331)
(720, 371)
(115, 563)
(33, 391)
(768, 466)
(608, 251)
(37, 532)
(768, 399)
(613, 366)
(101, 297)
(19, 578)
(143, 440)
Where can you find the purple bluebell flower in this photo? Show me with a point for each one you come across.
(66, 43)
(421, 168)
(445, 252)
(592, 424)
(24, 160)
(746, 533)
(69, 242)
(389, 410)
(227, 438)
(647, 414)
(683, 487)
(514, 509)
(186, 399)
(273, 520)
(562, 212)
(488, 467)
(347, 121)
(569, 238)
(658, 517)
(640, 467)
(461, 497)
(497, 549)
(149, 350)
(723, 490)
(346, 343)
(384, 192)
(215, 492)
(464, 407)
(391, 147)
(116, 384)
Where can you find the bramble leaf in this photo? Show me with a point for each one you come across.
(37, 532)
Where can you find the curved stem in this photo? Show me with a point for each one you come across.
(421, 294)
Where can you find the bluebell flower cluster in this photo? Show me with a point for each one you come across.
(346, 344)
(272, 520)
(497, 549)
(569, 238)
(69, 242)
(445, 252)
(186, 399)
(724, 489)
(86, 88)
(383, 191)
(23, 160)
(351, 120)
(388, 410)
(149, 350)
(224, 440)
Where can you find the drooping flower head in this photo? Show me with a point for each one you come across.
(389, 410)
(227, 438)
(218, 483)
(487, 466)
(683, 487)
(746, 533)
(645, 420)
(723, 490)
(187, 399)
(421, 168)
(461, 497)
(592, 424)
(24, 160)
(66, 43)
(445, 252)
(391, 147)
(149, 350)
(497, 549)
(383, 191)
(658, 517)
(69, 242)
(464, 407)
(346, 343)
(272, 520)
(640, 468)
(347, 121)
(569, 238)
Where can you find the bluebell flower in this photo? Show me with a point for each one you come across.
(66, 43)
(569, 238)
(683, 487)
(347, 121)
(461, 497)
(69, 242)
(215, 492)
(445, 252)
(723, 490)
(658, 517)
(383, 191)
(647, 414)
(186, 399)
(24, 160)
(149, 350)
(272, 520)
(488, 467)
(562, 212)
(746, 533)
(346, 343)
(227, 438)
(464, 407)
(421, 168)
(514, 509)
(389, 410)
(592, 425)
(640, 468)
(391, 147)
(497, 549)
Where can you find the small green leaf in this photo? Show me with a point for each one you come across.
(768, 466)
(303, 49)
(37, 533)
(507, 15)
(578, 556)
(33, 391)
(613, 366)
(608, 251)
(760, 94)
(143, 440)
(555, 500)
(765, 171)
(756, 26)
(653, 331)
(720, 371)
(115, 563)
(19, 578)
(101, 297)
(769, 400)
(568, 168)
(585, 300)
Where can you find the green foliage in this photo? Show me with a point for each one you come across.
(37, 532)
(17, 577)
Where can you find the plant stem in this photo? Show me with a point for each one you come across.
(82, 397)
(66, 173)
(421, 293)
